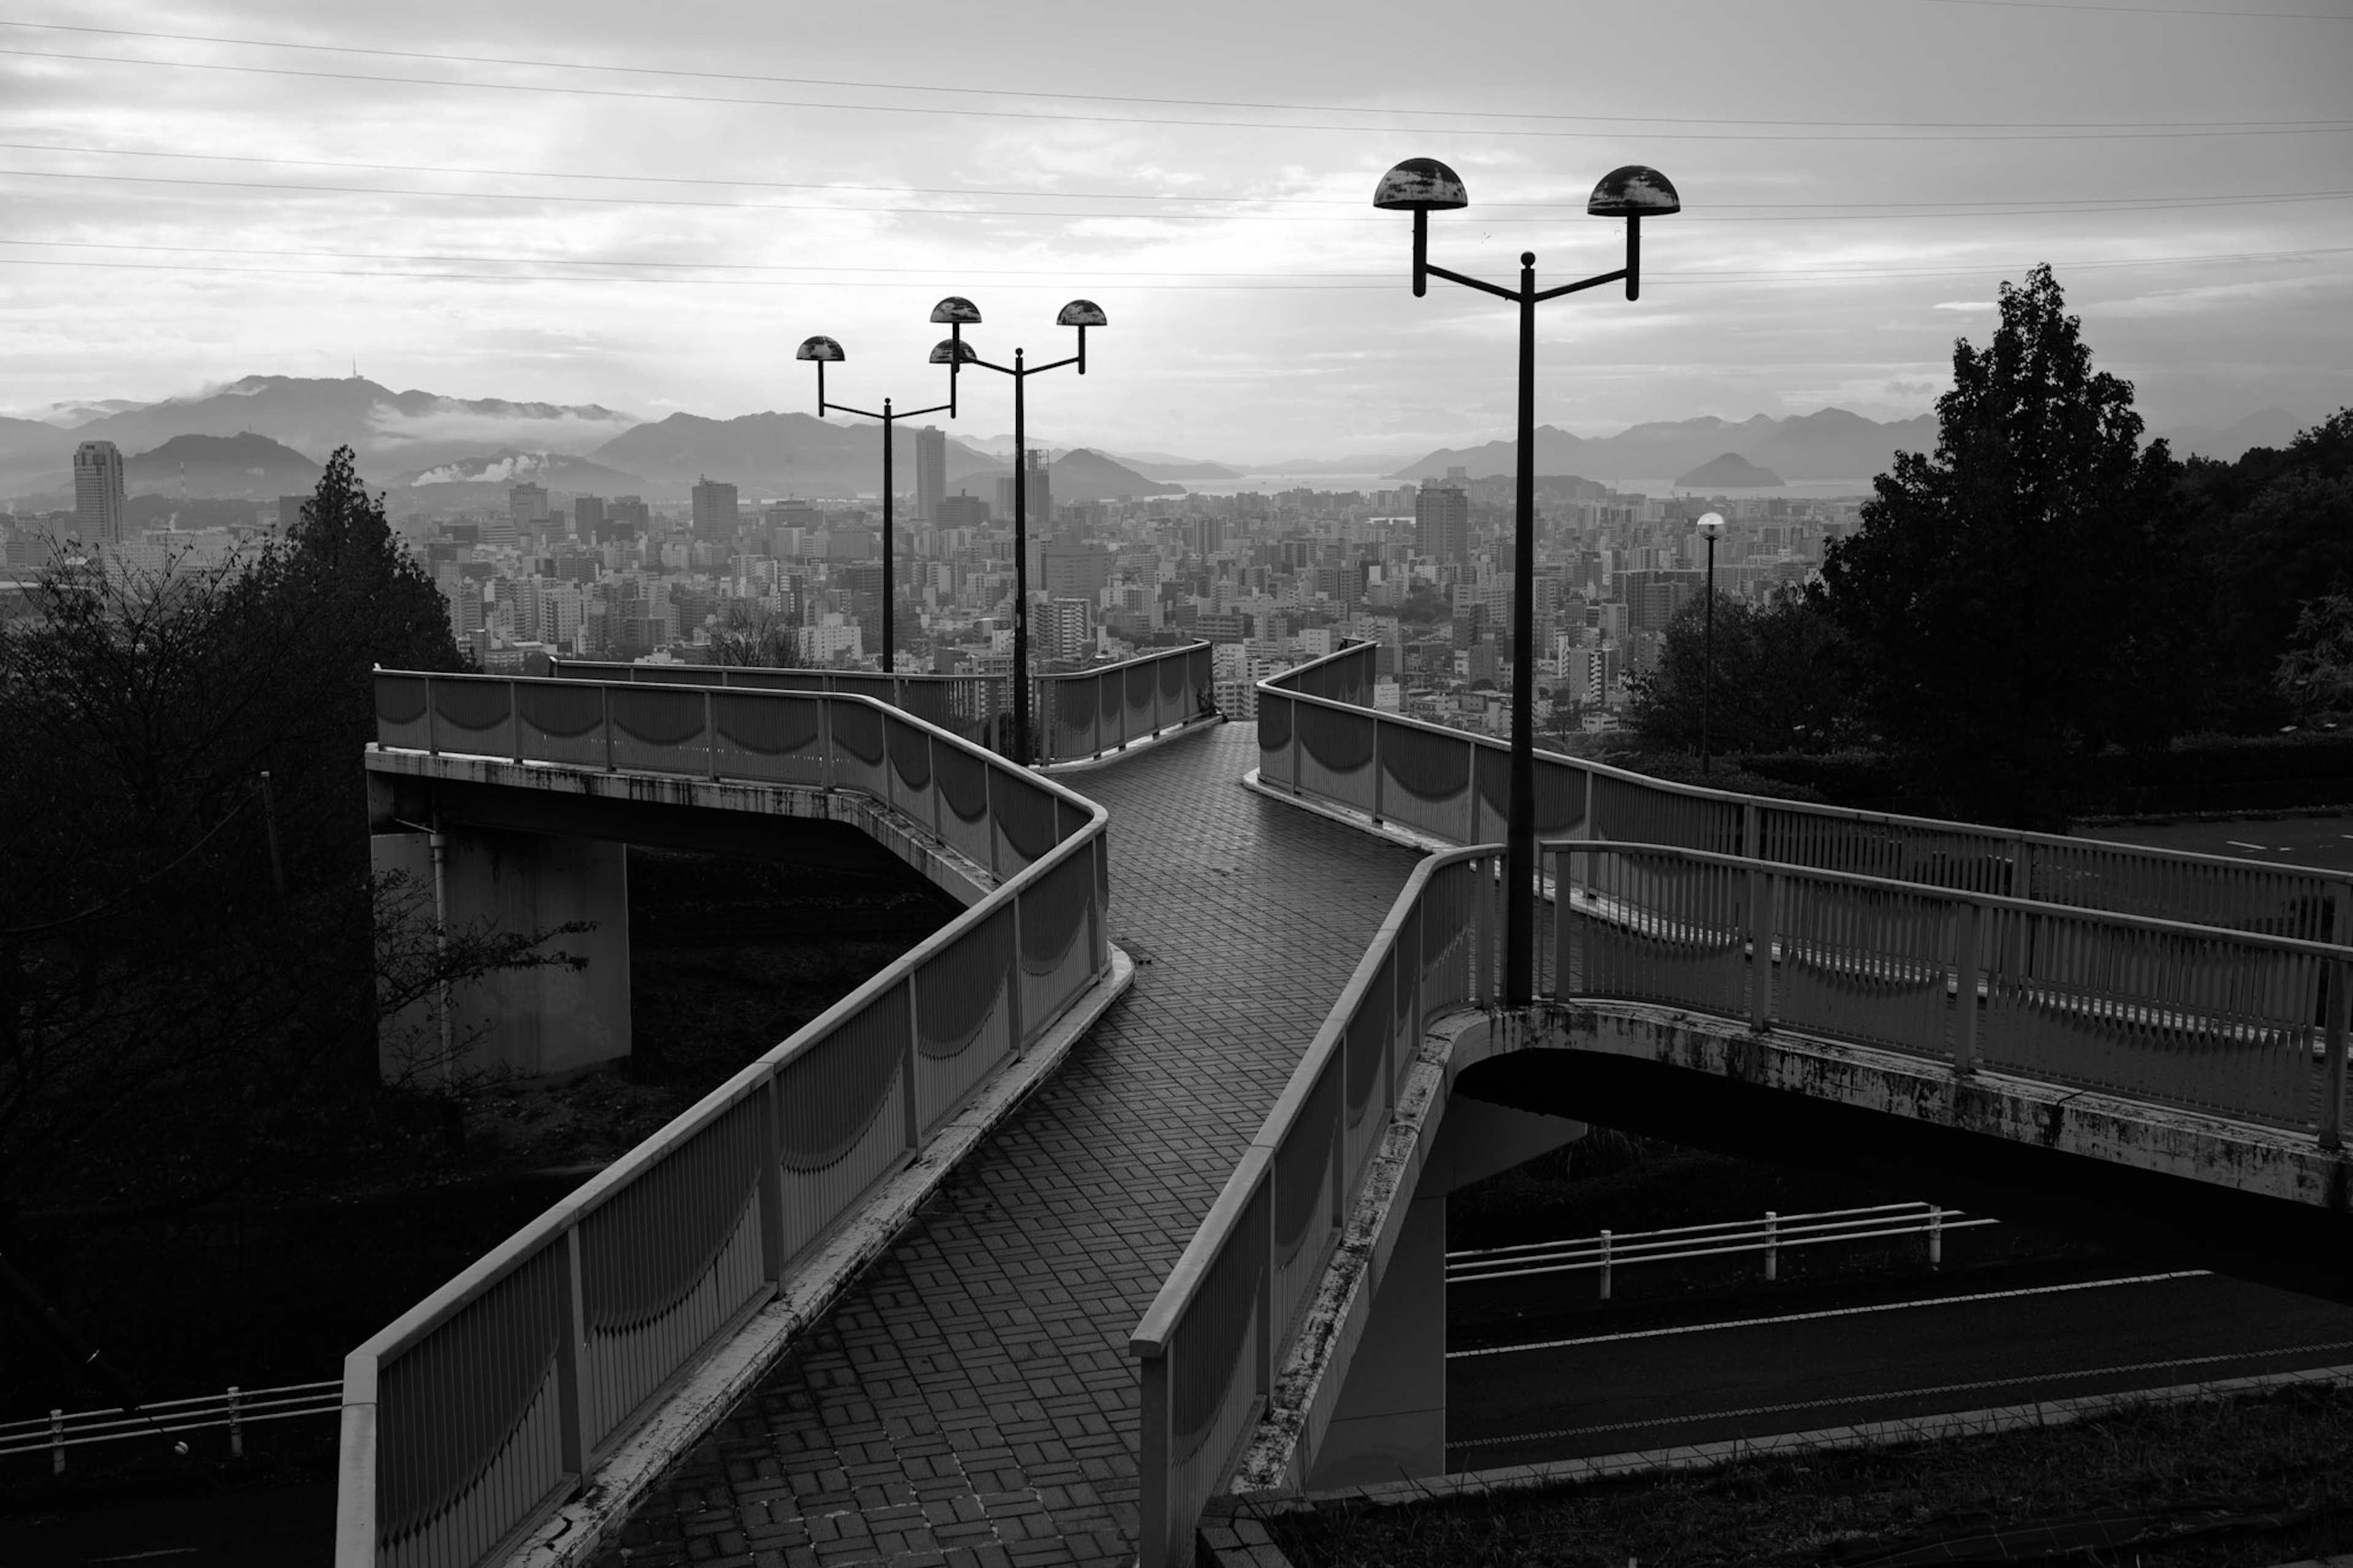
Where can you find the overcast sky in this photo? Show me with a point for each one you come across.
(648, 206)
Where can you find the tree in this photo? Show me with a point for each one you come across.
(190, 986)
(2015, 599)
(1783, 679)
(756, 638)
(2315, 677)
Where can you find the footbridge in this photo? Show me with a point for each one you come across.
(1124, 1193)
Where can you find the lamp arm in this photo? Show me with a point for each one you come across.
(934, 408)
(1051, 364)
(1481, 284)
(990, 364)
(824, 408)
(1594, 282)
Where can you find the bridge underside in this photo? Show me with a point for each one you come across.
(2232, 1197)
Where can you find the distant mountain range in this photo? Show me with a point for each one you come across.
(431, 450)
(1731, 471)
(1078, 475)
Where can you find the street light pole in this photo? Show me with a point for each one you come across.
(1424, 185)
(1079, 314)
(1709, 528)
(825, 351)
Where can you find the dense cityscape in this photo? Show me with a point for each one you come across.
(1267, 579)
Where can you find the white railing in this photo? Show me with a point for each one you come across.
(1077, 714)
(487, 1404)
(1216, 1332)
(1609, 1251)
(235, 1408)
(1318, 740)
(2228, 1022)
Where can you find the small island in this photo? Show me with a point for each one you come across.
(1730, 471)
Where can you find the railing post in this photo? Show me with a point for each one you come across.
(1472, 836)
(1764, 894)
(711, 732)
(1294, 746)
(1749, 830)
(514, 720)
(1377, 802)
(1592, 828)
(571, 1401)
(1970, 915)
(771, 1184)
(1936, 1235)
(825, 735)
(2332, 1071)
(913, 1055)
(57, 1442)
(1605, 1266)
(606, 693)
(432, 719)
(932, 772)
(1153, 1463)
(1482, 946)
(235, 1425)
(1772, 1245)
(1013, 985)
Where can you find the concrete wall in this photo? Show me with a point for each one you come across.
(1390, 1422)
(548, 1022)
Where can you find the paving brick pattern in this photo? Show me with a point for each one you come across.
(971, 1401)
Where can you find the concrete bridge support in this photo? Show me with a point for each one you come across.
(1390, 1422)
(547, 1022)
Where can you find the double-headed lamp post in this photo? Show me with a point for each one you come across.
(1711, 528)
(959, 313)
(1424, 185)
(825, 351)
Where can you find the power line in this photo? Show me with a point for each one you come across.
(1372, 281)
(2152, 205)
(2043, 136)
(2007, 205)
(861, 86)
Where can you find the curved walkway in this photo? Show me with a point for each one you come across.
(971, 1401)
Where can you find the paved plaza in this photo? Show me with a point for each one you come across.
(971, 1399)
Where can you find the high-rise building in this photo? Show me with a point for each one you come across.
(99, 501)
(588, 517)
(931, 471)
(961, 511)
(1040, 495)
(1441, 518)
(715, 510)
(527, 505)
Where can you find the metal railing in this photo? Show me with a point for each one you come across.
(1610, 1251)
(1213, 1337)
(1078, 714)
(1316, 740)
(2229, 1023)
(235, 1409)
(487, 1404)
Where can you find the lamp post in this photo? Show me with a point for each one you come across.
(959, 313)
(1424, 185)
(1711, 528)
(825, 351)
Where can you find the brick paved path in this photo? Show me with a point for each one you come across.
(971, 1399)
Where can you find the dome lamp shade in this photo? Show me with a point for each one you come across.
(954, 350)
(1711, 526)
(1634, 191)
(956, 311)
(1081, 313)
(821, 348)
(1420, 186)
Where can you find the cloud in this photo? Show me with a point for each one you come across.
(1964, 305)
(498, 470)
(558, 430)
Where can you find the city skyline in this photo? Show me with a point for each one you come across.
(652, 225)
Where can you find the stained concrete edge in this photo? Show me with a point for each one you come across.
(1234, 1535)
(1428, 844)
(573, 1532)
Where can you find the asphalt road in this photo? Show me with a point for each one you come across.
(2323, 841)
(1609, 1383)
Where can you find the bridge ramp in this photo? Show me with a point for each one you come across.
(971, 1401)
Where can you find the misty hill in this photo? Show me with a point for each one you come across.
(388, 431)
(773, 454)
(243, 467)
(483, 481)
(1831, 445)
(1730, 471)
(2265, 427)
(1165, 466)
(1078, 475)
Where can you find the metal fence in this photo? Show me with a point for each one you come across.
(1604, 1254)
(2230, 1023)
(1077, 715)
(234, 1410)
(485, 1405)
(1214, 1335)
(1317, 740)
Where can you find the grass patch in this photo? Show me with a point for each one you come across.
(2237, 1482)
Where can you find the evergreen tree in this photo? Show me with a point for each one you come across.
(2016, 598)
